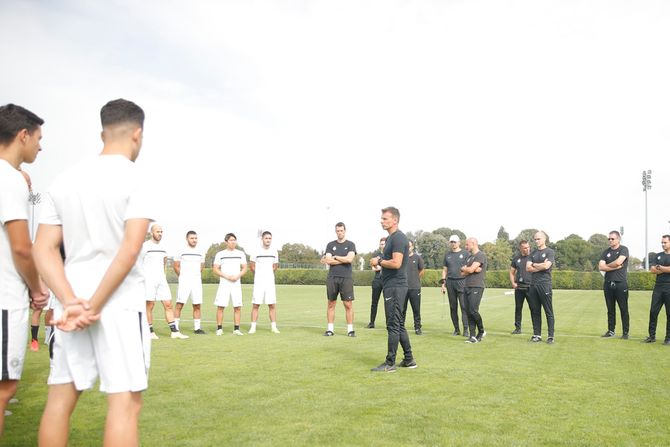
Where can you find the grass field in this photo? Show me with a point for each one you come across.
(300, 388)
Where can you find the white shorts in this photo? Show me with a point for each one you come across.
(13, 336)
(226, 291)
(116, 349)
(264, 293)
(157, 289)
(192, 288)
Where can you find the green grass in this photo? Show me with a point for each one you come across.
(300, 388)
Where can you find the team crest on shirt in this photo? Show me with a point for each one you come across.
(518, 261)
(609, 254)
(460, 256)
(544, 255)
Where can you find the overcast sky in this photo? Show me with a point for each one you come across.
(293, 115)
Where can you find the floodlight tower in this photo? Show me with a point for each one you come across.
(646, 186)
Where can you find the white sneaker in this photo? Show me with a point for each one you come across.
(237, 332)
(275, 330)
(219, 332)
(13, 400)
(178, 335)
(252, 330)
(8, 413)
(154, 336)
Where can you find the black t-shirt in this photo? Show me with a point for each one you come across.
(476, 279)
(414, 265)
(340, 249)
(522, 276)
(538, 257)
(453, 261)
(611, 255)
(662, 259)
(396, 243)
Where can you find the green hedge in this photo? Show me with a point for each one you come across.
(562, 279)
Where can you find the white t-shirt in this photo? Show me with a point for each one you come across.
(92, 201)
(13, 206)
(264, 258)
(230, 262)
(153, 259)
(190, 261)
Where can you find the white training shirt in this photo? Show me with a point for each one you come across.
(92, 201)
(13, 206)
(190, 261)
(230, 262)
(153, 259)
(264, 258)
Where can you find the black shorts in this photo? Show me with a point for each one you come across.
(342, 286)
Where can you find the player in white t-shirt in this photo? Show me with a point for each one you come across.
(20, 134)
(230, 265)
(188, 265)
(101, 213)
(263, 263)
(154, 258)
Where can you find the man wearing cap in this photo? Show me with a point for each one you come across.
(453, 283)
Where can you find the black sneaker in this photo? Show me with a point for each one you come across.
(472, 340)
(608, 334)
(666, 341)
(418, 331)
(351, 334)
(550, 340)
(516, 331)
(328, 334)
(481, 335)
(199, 332)
(456, 332)
(411, 364)
(649, 339)
(384, 368)
(370, 326)
(535, 339)
(625, 336)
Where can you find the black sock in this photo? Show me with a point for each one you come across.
(34, 331)
(151, 328)
(173, 327)
(237, 327)
(219, 326)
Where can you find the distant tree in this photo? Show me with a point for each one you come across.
(214, 249)
(446, 232)
(599, 243)
(502, 234)
(525, 235)
(299, 253)
(635, 264)
(574, 253)
(498, 254)
(432, 247)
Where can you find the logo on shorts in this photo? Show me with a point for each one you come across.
(15, 362)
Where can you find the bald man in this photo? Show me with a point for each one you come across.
(154, 258)
(540, 265)
(474, 272)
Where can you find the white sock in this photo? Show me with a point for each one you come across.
(331, 327)
(196, 324)
(350, 327)
(176, 323)
(272, 324)
(253, 325)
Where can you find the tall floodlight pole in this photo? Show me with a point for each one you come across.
(646, 186)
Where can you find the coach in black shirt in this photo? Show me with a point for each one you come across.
(474, 271)
(540, 265)
(614, 262)
(453, 283)
(661, 294)
(521, 280)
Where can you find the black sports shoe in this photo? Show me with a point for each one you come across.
(666, 341)
(472, 340)
(649, 339)
(516, 331)
(384, 368)
(418, 331)
(370, 325)
(328, 334)
(199, 332)
(481, 335)
(608, 334)
(411, 364)
(550, 340)
(625, 336)
(456, 332)
(535, 339)
(351, 334)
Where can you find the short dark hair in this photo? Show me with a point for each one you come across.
(341, 224)
(264, 234)
(13, 119)
(228, 236)
(665, 236)
(382, 239)
(190, 232)
(523, 241)
(618, 235)
(393, 210)
(121, 111)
